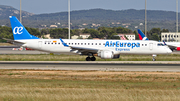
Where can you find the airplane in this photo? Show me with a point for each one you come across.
(105, 49)
(171, 45)
(121, 36)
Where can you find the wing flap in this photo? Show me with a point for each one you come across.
(84, 50)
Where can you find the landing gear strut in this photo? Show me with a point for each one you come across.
(153, 59)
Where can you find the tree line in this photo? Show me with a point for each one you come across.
(101, 32)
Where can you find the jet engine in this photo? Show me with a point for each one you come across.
(178, 48)
(107, 55)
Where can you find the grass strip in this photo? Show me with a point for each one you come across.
(30, 85)
(62, 57)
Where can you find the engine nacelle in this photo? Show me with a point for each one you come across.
(107, 55)
(178, 48)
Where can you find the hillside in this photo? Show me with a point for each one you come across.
(101, 14)
(6, 11)
(108, 18)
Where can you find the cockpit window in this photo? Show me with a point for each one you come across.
(160, 44)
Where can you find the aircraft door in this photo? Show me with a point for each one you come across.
(150, 46)
(39, 44)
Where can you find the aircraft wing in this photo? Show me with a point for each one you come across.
(84, 50)
(170, 46)
(80, 49)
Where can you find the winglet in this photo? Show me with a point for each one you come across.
(164, 42)
(64, 43)
(141, 35)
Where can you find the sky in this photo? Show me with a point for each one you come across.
(53, 6)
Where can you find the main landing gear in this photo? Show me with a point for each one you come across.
(90, 58)
(153, 59)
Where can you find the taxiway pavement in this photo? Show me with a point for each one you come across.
(161, 66)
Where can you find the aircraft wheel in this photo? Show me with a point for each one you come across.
(93, 59)
(88, 59)
(153, 59)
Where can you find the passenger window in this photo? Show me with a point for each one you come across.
(48, 43)
(84, 43)
(96, 43)
(58, 43)
(99, 43)
(103, 43)
(75, 43)
(51, 43)
(72, 43)
(88, 43)
(81, 43)
(78, 43)
(44, 43)
(142, 44)
(92, 43)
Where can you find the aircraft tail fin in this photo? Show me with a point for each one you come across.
(141, 35)
(19, 31)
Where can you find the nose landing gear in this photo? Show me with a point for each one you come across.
(153, 59)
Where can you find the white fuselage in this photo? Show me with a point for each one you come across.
(117, 46)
